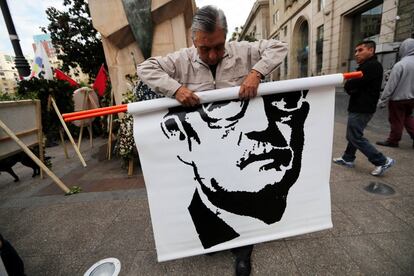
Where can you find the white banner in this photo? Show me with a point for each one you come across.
(41, 64)
(231, 173)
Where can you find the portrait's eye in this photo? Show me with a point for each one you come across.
(223, 109)
(288, 103)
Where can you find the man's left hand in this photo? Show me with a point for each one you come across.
(248, 89)
(381, 104)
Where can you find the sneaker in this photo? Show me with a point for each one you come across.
(380, 170)
(342, 162)
(387, 143)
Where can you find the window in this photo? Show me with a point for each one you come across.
(285, 66)
(366, 25)
(285, 31)
(319, 49)
(321, 4)
(1, 73)
(276, 17)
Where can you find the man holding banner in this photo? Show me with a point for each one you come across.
(210, 64)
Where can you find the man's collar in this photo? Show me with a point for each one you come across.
(374, 57)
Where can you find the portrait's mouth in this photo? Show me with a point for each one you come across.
(274, 159)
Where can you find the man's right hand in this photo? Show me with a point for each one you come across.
(186, 97)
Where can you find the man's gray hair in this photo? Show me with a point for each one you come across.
(207, 19)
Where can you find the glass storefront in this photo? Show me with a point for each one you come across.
(366, 25)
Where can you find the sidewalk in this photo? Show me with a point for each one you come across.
(65, 235)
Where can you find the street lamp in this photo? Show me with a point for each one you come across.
(20, 61)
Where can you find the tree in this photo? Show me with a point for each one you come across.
(236, 35)
(74, 38)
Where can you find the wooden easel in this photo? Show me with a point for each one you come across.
(25, 136)
(87, 104)
(65, 127)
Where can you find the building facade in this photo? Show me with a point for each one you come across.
(8, 74)
(322, 34)
(257, 23)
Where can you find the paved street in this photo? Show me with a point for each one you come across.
(65, 235)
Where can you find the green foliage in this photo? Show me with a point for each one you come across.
(16, 97)
(74, 38)
(74, 190)
(125, 146)
(41, 89)
(236, 35)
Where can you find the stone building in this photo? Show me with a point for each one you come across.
(322, 33)
(133, 30)
(8, 74)
(257, 23)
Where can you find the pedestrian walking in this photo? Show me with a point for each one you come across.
(364, 94)
(399, 93)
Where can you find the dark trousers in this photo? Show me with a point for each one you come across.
(11, 260)
(400, 116)
(357, 122)
(243, 253)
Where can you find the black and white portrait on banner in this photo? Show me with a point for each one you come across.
(231, 173)
(262, 160)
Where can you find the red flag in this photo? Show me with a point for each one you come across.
(62, 76)
(100, 82)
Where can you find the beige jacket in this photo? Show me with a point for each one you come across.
(166, 74)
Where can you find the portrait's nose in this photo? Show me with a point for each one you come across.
(264, 128)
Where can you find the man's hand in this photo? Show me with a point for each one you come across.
(186, 97)
(381, 104)
(248, 89)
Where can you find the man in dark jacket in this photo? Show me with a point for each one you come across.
(364, 94)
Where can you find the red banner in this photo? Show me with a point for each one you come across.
(100, 82)
(62, 76)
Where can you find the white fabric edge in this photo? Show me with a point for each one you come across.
(233, 92)
(190, 253)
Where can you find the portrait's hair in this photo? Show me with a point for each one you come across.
(207, 19)
(368, 43)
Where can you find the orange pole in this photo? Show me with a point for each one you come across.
(353, 75)
(97, 112)
(83, 112)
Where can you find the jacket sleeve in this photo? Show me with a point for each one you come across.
(370, 73)
(392, 83)
(270, 53)
(158, 73)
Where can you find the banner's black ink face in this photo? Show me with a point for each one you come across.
(245, 155)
